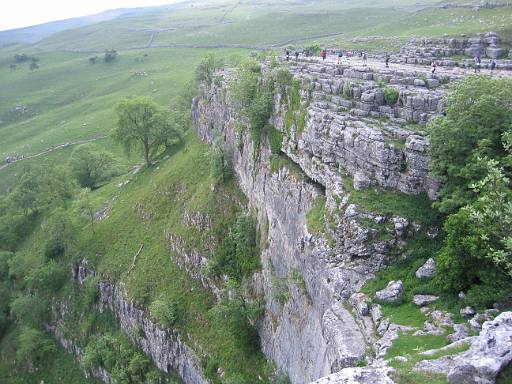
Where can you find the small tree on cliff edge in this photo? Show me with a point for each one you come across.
(142, 124)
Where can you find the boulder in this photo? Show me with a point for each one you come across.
(461, 332)
(467, 312)
(496, 52)
(487, 356)
(361, 181)
(422, 300)
(360, 302)
(442, 319)
(426, 270)
(393, 292)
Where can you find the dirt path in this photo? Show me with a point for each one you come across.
(55, 148)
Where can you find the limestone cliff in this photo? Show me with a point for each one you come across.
(313, 330)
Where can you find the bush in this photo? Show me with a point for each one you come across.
(391, 95)
(284, 77)
(110, 55)
(91, 167)
(275, 139)
(221, 167)
(205, 71)
(238, 253)
(29, 310)
(477, 114)
(164, 312)
(347, 91)
(34, 346)
(47, 279)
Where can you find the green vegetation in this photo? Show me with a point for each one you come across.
(316, 216)
(238, 253)
(391, 95)
(471, 153)
(142, 124)
(296, 113)
(411, 347)
(477, 116)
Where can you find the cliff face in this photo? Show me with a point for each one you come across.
(165, 347)
(313, 331)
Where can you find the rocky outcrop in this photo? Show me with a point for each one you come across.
(164, 346)
(393, 292)
(314, 331)
(346, 125)
(367, 375)
(426, 270)
(488, 354)
(488, 45)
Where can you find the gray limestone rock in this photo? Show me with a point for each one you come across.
(393, 292)
(423, 300)
(426, 270)
(460, 332)
(361, 181)
(489, 353)
(360, 302)
(364, 375)
(467, 312)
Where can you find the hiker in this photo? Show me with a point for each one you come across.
(387, 61)
(287, 54)
(323, 54)
(340, 55)
(434, 66)
(478, 62)
(365, 57)
(296, 55)
(493, 66)
(405, 59)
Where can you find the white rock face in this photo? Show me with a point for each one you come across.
(392, 292)
(366, 375)
(422, 300)
(426, 270)
(489, 353)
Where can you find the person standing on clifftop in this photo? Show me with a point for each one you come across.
(287, 52)
(493, 66)
(365, 58)
(323, 54)
(296, 55)
(387, 61)
(340, 55)
(478, 62)
(434, 67)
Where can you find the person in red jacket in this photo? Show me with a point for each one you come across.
(323, 54)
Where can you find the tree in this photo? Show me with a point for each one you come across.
(90, 166)
(142, 124)
(85, 207)
(34, 346)
(33, 65)
(110, 55)
(478, 112)
(205, 71)
(58, 230)
(93, 59)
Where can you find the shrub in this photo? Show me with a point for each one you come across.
(91, 167)
(238, 253)
(110, 55)
(284, 76)
(391, 95)
(221, 167)
(205, 71)
(34, 346)
(275, 139)
(164, 312)
(477, 114)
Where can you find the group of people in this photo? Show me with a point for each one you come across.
(364, 56)
(324, 53)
